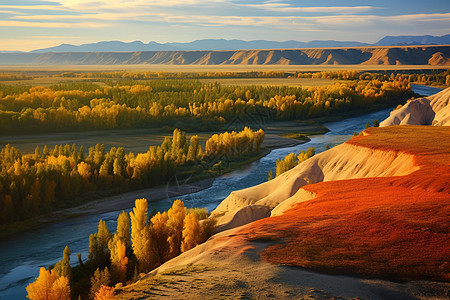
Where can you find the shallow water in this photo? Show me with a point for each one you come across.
(22, 256)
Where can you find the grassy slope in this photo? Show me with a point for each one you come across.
(394, 228)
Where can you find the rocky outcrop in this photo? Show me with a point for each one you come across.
(432, 110)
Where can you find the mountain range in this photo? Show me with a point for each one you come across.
(221, 44)
(436, 55)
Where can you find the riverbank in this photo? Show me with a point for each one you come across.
(23, 254)
(124, 201)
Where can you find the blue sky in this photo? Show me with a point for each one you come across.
(32, 24)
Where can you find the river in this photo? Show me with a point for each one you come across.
(21, 256)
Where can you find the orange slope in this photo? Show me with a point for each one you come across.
(393, 227)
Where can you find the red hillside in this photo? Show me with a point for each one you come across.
(392, 227)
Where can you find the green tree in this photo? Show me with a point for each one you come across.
(99, 279)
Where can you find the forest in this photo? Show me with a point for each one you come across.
(187, 104)
(141, 243)
(51, 179)
(67, 175)
(437, 77)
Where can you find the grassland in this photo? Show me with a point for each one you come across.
(139, 140)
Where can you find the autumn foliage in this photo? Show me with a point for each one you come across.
(119, 257)
(49, 286)
(105, 293)
(50, 179)
(189, 104)
(291, 160)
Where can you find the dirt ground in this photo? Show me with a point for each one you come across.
(234, 270)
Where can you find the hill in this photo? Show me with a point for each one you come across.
(376, 207)
(393, 226)
(402, 55)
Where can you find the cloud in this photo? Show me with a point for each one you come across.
(10, 23)
(144, 19)
(131, 4)
(16, 8)
(287, 8)
(92, 16)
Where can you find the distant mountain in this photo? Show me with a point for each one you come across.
(221, 44)
(414, 40)
(369, 55)
(208, 44)
(109, 46)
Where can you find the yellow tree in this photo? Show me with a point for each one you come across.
(175, 223)
(60, 289)
(119, 260)
(192, 234)
(160, 233)
(140, 235)
(123, 228)
(105, 293)
(48, 286)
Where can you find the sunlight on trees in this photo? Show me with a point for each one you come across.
(105, 293)
(153, 242)
(191, 233)
(123, 228)
(119, 260)
(291, 160)
(49, 286)
(140, 235)
(175, 222)
(160, 235)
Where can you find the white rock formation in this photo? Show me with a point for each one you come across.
(345, 161)
(432, 110)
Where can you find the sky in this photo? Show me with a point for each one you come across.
(33, 24)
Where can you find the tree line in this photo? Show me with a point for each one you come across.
(11, 77)
(141, 243)
(171, 75)
(186, 104)
(51, 179)
(433, 78)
